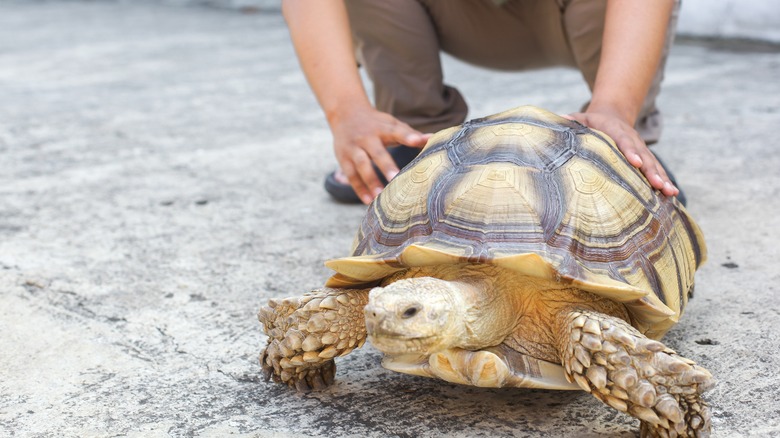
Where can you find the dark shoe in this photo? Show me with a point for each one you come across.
(402, 155)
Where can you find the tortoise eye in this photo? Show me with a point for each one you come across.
(410, 312)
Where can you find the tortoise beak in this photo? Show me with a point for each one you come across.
(375, 317)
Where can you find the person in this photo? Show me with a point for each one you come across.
(619, 46)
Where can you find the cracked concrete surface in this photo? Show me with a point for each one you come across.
(160, 180)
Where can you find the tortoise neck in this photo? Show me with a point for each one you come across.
(491, 308)
(492, 312)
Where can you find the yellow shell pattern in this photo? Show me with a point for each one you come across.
(531, 191)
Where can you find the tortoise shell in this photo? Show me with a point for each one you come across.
(539, 194)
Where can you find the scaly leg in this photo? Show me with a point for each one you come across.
(621, 367)
(306, 333)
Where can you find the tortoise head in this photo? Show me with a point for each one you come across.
(416, 315)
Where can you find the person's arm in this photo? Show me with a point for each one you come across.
(634, 37)
(321, 35)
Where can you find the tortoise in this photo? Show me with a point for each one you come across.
(517, 250)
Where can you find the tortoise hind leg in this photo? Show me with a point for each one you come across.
(306, 333)
(621, 367)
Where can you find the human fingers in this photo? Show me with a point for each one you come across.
(360, 188)
(404, 134)
(640, 156)
(667, 186)
(635, 151)
(368, 179)
(633, 148)
(623, 139)
(421, 141)
(355, 144)
(381, 158)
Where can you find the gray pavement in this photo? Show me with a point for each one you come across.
(160, 180)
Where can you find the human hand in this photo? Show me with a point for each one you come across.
(630, 144)
(361, 136)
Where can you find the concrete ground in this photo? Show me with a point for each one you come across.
(160, 180)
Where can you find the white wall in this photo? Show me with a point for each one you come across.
(264, 5)
(754, 19)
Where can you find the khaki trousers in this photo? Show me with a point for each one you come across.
(398, 43)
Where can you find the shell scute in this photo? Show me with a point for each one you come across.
(534, 192)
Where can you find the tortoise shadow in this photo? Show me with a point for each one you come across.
(367, 400)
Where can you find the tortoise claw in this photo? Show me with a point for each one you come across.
(302, 386)
(267, 372)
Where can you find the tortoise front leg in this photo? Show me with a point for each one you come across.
(642, 377)
(306, 333)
